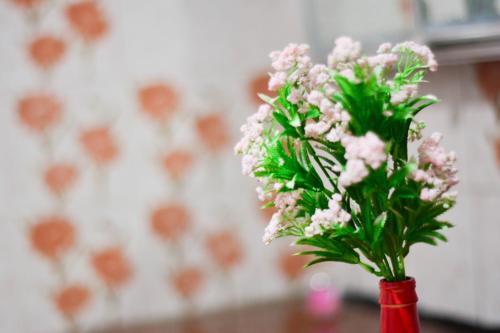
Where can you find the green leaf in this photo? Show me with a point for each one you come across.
(313, 113)
(378, 226)
(269, 204)
(295, 121)
(400, 174)
(281, 119)
(317, 261)
(267, 99)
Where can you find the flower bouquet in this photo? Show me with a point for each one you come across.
(330, 153)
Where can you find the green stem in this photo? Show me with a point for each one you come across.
(315, 157)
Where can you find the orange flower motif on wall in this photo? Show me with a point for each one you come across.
(158, 100)
(87, 19)
(112, 266)
(188, 281)
(213, 131)
(39, 111)
(72, 299)
(170, 221)
(225, 249)
(60, 177)
(259, 86)
(99, 144)
(52, 236)
(176, 163)
(46, 50)
(291, 266)
(26, 4)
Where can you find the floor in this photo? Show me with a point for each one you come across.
(287, 317)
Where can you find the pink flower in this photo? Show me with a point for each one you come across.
(292, 54)
(287, 200)
(345, 50)
(368, 148)
(295, 96)
(316, 129)
(422, 52)
(285, 203)
(429, 194)
(354, 173)
(421, 176)
(430, 151)
(384, 48)
(277, 80)
(315, 97)
(405, 92)
(272, 229)
(324, 218)
(437, 169)
(249, 163)
(383, 60)
(318, 75)
(349, 75)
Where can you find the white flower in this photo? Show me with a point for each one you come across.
(429, 194)
(354, 173)
(349, 75)
(384, 48)
(436, 168)
(315, 97)
(345, 50)
(324, 218)
(277, 186)
(291, 54)
(405, 92)
(262, 195)
(383, 60)
(422, 52)
(368, 148)
(287, 200)
(277, 81)
(249, 163)
(295, 96)
(316, 129)
(332, 116)
(286, 203)
(334, 135)
(318, 75)
(273, 228)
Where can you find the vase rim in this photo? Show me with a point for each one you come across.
(408, 281)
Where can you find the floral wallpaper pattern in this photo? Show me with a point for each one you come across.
(124, 222)
(120, 198)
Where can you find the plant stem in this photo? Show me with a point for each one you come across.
(315, 157)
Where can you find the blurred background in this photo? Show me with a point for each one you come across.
(122, 207)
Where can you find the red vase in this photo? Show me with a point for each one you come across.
(398, 307)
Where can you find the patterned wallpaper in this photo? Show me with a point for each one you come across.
(120, 198)
(122, 201)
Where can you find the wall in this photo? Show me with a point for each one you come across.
(120, 198)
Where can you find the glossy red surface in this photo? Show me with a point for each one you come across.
(398, 307)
